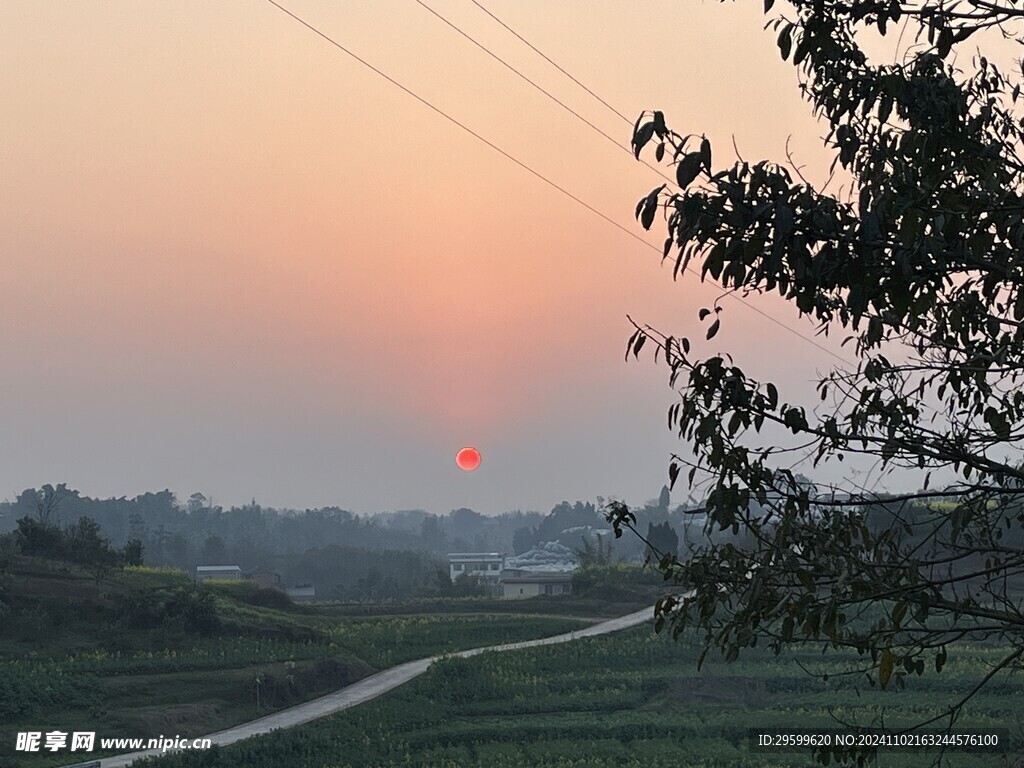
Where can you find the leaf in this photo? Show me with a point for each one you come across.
(629, 344)
(945, 42)
(785, 41)
(997, 420)
(638, 344)
(885, 667)
(673, 474)
(641, 137)
(648, 207)
(688, 169)
(700, 659)
(659, 152)
(713, 329)
(884, 109)
(768, 5)
(1018, 305)
(647, 215)
(898, 613)
(659, 124)
(705, 154)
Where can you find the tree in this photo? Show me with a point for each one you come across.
(196, 502)
(84, 544)
(919, 266)
(661, 540)
(664, 499)
(215, 551)
(45, 503)
(132, 552)
(38, 538)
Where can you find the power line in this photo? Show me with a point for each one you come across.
(552, 63)
(538, 174)
(555, 99)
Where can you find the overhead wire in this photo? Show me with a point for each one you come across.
(551, 62)
(531, 170)
(553, 98)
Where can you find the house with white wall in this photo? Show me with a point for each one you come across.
(538, 583)
(484, 565)
(219, 573)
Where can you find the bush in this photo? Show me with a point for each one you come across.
(189, 608)
(614, 581)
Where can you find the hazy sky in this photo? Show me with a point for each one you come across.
(236, 261)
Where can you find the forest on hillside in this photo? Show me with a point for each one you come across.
(346, 555)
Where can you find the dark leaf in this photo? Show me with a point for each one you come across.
(785, 41)
(688, 169)
(885, 667)
(641, 137)
(638, 344)
(659, 124)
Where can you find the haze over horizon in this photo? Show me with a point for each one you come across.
(237, 262)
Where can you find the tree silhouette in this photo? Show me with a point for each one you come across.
(920, 266)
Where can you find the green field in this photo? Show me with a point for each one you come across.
(634, 699)
(68, 662)
(198, 659)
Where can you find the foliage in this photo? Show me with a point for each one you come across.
(188, 608)
(38, 538)
(29, 688)
(619, 582)
(6, 555)
(247, 592)
(80, 542)
(662, 540)
(920, 265)
(133, 550)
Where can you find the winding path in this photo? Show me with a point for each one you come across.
(373, 686)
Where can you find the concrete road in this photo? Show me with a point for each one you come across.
(373, 686)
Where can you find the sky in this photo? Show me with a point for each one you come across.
(236, 261)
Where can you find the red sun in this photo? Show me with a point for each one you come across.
(468, 459)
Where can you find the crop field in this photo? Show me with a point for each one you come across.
(634, 699)
(212, 682)
(384, 642)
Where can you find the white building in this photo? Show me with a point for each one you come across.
(219, 572)
(484, 565)
(534, 584)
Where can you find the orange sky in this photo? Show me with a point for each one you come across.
(238, 262)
